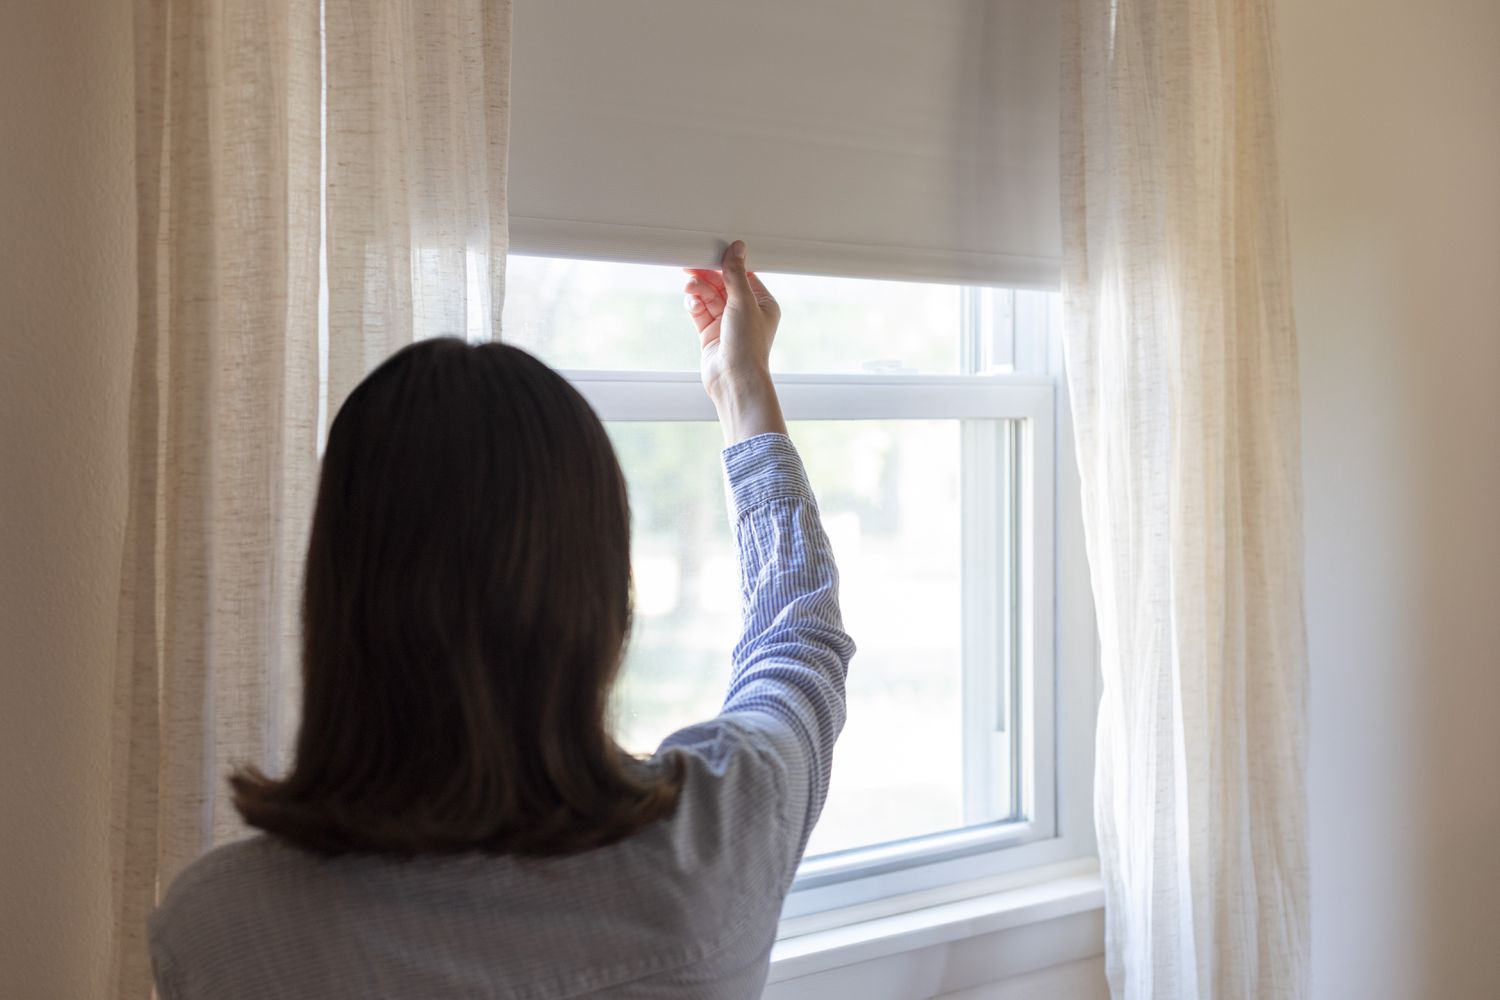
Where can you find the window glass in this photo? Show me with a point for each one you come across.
(604, 315)
(890, 496)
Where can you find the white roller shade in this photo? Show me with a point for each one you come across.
(883, 138)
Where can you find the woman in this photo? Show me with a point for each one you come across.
(459, 822)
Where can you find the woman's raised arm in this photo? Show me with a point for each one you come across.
(793, 653)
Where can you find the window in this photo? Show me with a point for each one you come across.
(925, 416)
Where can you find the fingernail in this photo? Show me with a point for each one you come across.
(738, 249)
(692, 302)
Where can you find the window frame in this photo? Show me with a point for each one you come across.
(1012, 361)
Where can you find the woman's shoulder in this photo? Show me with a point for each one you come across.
(228, 878)
(747, 746)
(227, 863)
(735, 794)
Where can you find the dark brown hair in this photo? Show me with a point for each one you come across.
(465, 609)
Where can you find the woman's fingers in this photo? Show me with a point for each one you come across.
(698, 311)
(711, 295)
(736, 281)
(714, 279)
(704, 302)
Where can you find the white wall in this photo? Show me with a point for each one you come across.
(67, 305)
(1391, 149)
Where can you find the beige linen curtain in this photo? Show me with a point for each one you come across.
(1182, 366)
(418, 120)
(236, 192)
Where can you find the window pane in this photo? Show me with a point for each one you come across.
(890, 495)
(605, 315)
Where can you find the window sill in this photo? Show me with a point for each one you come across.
(1049, 922)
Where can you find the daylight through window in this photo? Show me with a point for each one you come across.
(924, 417)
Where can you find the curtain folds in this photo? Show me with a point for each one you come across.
(418, 123)
(1182, 368)
(232, 370)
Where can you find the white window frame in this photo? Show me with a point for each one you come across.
(1055, 652)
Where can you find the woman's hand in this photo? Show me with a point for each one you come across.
(736, 319)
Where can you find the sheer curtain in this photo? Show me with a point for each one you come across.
(236, 195)
(1182, 365)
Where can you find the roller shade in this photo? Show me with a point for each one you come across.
(883, 138)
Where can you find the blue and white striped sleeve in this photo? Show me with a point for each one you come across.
(793, 654)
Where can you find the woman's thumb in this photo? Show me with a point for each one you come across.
(735, 279)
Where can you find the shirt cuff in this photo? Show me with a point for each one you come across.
(761, 469)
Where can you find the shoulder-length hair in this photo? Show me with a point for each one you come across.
(466, 603)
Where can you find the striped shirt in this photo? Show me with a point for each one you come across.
(686, 907)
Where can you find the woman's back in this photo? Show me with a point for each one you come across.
(459, 823)
(685, 908)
